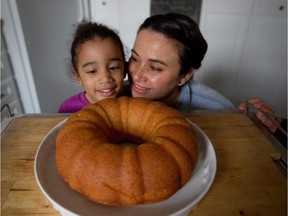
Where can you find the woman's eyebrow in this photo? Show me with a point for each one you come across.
(133, 51)
(150, 59)
(158, 61)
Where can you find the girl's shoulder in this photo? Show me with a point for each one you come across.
(74, 103)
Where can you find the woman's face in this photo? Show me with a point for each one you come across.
(100, 67)
(154, 68)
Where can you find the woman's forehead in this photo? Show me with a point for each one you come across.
(155, 44)
(147, 34)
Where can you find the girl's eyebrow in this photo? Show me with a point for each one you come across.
(115, 59)
(150, 59)
(89, 63)
(95, 62)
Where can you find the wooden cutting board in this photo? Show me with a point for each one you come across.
(247, 182)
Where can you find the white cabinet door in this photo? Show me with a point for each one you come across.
(10, 99)
(20, 64)
(123, 15)
(247, 42)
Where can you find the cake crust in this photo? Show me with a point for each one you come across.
(92, 160)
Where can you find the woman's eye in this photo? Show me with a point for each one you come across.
(132, 58)
(156, 69)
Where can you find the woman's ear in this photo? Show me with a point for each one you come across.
(76, 77)
(184, 78)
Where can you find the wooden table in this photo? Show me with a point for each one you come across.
(247, 181)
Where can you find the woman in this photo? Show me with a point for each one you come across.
(167, 51)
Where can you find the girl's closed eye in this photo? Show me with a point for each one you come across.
(91, 71)
(90, 67)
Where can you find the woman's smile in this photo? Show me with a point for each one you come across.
(139, 89)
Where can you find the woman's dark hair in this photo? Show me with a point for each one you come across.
(87, 31)
(182, 29)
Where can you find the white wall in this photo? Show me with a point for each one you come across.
(247, 50)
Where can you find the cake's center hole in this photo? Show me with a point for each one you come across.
(128, 143)
(129, 140)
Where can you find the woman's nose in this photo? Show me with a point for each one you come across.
(137, 73)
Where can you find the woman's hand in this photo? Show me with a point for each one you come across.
(264, 112)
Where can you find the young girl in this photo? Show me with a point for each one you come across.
(98, 65)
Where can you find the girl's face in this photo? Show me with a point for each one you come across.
(154, 68)
(100, 68)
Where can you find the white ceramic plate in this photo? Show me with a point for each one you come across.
(70, 202)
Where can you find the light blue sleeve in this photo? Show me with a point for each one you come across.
(198, 96)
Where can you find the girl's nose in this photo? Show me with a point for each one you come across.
(105, 77)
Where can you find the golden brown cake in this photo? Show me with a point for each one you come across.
(91, 156)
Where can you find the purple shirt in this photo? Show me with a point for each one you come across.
(74, 103)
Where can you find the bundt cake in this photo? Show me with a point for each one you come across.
(91, 154)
